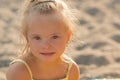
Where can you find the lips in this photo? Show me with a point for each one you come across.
(48, 54)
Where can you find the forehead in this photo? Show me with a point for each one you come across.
(46, 23)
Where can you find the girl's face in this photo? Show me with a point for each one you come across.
(47, 36)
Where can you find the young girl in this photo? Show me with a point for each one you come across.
(47, 28)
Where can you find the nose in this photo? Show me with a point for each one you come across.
(45, 45)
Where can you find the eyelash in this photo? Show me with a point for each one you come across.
(55, 37)
(38, 38)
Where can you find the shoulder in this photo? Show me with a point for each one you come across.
(74, 73)
(17, 71)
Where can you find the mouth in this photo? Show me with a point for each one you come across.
(48, 54)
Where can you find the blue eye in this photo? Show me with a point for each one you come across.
(55, 37)
(37, 38)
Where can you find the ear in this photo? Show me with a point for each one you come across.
(69, 36)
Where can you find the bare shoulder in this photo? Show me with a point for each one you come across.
(17, 71)
(74, 72)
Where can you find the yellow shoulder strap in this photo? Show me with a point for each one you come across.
(27, 66)
(69, 68)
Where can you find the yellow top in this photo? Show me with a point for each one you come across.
(30, 72)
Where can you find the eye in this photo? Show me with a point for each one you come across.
(37, 38)
(55, 37)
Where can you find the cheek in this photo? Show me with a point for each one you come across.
(33, 46)
(59, 44)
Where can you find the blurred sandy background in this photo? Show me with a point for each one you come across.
(96, 49)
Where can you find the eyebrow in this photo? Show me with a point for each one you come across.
(39, 34)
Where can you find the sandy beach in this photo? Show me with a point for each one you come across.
(96, 48)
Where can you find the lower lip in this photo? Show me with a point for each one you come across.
(47, 54)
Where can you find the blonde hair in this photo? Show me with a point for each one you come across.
(45, 7)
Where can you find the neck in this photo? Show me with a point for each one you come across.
(55, 62)
(47, 65)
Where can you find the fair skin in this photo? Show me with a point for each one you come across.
(47, 37)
